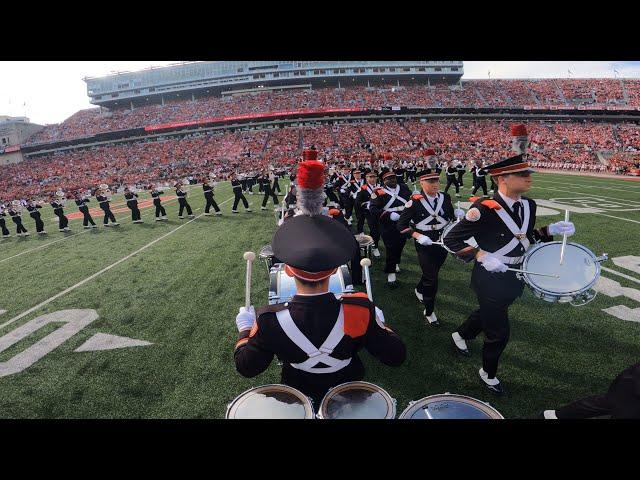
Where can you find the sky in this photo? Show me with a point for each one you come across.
(50, 92)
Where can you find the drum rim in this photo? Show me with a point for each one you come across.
(535, 286)
(391, 402)
(276, 268)
(368, 238)
(306, 401)
(262, 255)
(483, 406)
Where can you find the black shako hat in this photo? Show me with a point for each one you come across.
(509, 165)
(313, 244)
(427, 173)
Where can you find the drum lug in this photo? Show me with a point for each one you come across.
(602, 258)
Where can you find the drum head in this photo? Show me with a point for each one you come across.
(578, 272)
(271, 401)
(355, 400)
(266, 252)
(448, 406)
(364, 240)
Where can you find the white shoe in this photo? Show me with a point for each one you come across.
(61, 229)
(376, 253)
(489, 381)
(397, 268)
(234, 211)
(418, 294)
(431, 319)
(218, 213)
(6, 236)
(86, 226)
(26, 234)
(180, 217)
(159, 219)
(391, 278)
(164, 217)
(248, 210)
(263, 208)
(115, 224)
(107, 225)
(191, 216)
(207, 214)
(94, 226)
(459, 341)
(550, 415)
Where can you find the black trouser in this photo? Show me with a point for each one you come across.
(276, 185)
(243, 183)
(460, 174)
(360, 215)
(331, 195)
(494, 187)
(480, 182)
(587, 407)
(63, 221)
(3, 226)
(239, 196)
(431, 259)
(495, 292)
(347, 204)
(39, 223)
(18, 221)
(412, 176)
(87, 217)
(210, 203)
(475, 179)
(184, 204)
(108, 215)
(374, 228)
(135, 211)
(356, 269)
(269, 193)
(160, 211)
(260, 187)
(394, 244)
(451, 180)
(250, 184)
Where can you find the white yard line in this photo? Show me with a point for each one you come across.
(97, 274)
(620, 274)
(587, 186)
(619, 218)
(595, 195)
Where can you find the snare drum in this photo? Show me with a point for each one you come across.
(445, 231)
(578, 273)
(266, 255)
(271, 401)
(449, 406)
(282, 287)
(354, 400)
(366, 245)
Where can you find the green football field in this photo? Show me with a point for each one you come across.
(173, 290)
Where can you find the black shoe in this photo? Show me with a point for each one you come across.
(462, 351)
(494, 389)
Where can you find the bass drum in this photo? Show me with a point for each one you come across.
(449, 406)
(577, 275)
(357, 400)
(282, 287)
(270, 401)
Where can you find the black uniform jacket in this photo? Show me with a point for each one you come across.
(414, 212)
(376, 207)
(315, 316)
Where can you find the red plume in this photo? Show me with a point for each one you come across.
(310, 174)
(429, 152)
(518, 130)
(309, 154)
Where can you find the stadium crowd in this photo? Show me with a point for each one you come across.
(470, 94)
(563, 146)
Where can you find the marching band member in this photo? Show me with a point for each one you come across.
(58, 203)
(15, 212)
(132, 204)
(503, 229)
(386, 204)
(33, 209)
(268, 179)
(103, 196)
(81, 201)
(181, 193)
(354, 188)
(452, 171)
(3, 222)
(460, 168)
(316, 335)
(481, 181)
(161, 213)
(237, 192)
(622, 400)
(423, 217)
(208, 196)
(343, 183)
(363, 200)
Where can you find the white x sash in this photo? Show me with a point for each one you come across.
(316, 355)
(519, 234)
(394, 196)
(433, 214)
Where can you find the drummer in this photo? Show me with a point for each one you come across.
(316, 335)
(423, 218)
(503, 228)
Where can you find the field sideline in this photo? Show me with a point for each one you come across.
(178, 285)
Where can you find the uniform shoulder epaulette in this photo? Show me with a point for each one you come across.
(416, 196)
(380, 191)
(491, 204)
(334, 212)
(357, 312)
(363, 187)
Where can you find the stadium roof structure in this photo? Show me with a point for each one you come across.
(196, 79)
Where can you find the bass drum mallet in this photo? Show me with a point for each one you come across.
(249, 257)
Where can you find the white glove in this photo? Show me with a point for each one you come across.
(560, 228)
(395, 216)
(492, 264)
(459, 213)
(246, 318)
(342, 190)
(379, 314)
(424, 240)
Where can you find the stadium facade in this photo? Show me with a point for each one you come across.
(197, 79)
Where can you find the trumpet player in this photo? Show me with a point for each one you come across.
(57, 203)
(15, 211)
(132, 204)
(33, 208)
(81, 201)
(103, 196)
(207, 187)
(181, 193)
(161, 213)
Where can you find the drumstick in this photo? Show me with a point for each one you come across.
(564, 238)
(249, 257)
(365, 263)
(532, 273)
